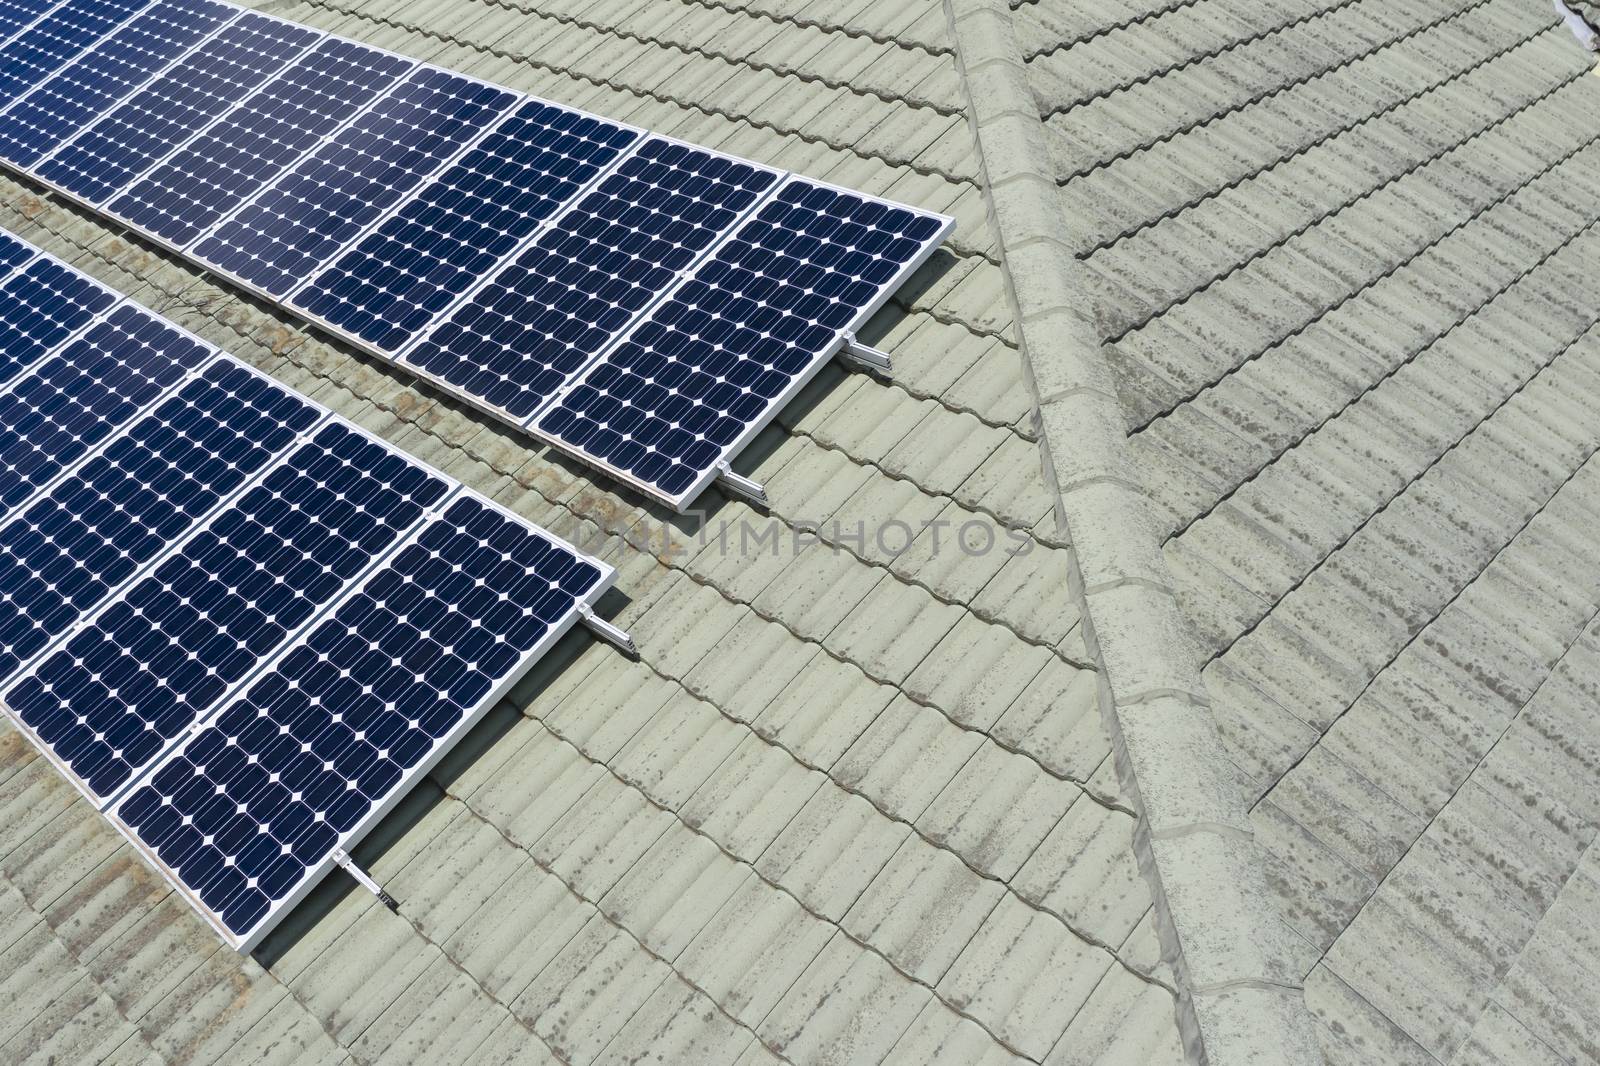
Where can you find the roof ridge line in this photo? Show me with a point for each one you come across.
(1240, 997)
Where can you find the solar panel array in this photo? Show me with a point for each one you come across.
(239, 624)
(643, 305)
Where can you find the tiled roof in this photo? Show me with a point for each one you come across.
(1342, 260)
(851, 804)
(1296, 299)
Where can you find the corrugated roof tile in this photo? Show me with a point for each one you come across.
(753, 950)
(1025, 976)
(849, 1005)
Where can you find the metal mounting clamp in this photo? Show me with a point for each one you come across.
(740, 485)
(606, 631)
(863, 355)
(348, 865)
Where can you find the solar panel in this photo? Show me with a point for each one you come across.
(83, 90)
(156, 658)
(40, 306)
(18, 15)
(222, 607)
(78, 397)
(302, 220)
(711, 364)
(258, 140)
(110, 154)
(248, 813)
(56, 40)
(95, 528)
(644, 305)
(542, 318)
(13, 253)
(408, 270)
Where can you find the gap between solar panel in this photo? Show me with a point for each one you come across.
(248, 686)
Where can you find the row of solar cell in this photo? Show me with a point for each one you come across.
(248, 809)
(553, 269)
(103, 76)
(193, 558)
(693, 381)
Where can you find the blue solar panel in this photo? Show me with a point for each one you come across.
(397, 278)
(154, 660)
(83, 90)
(17, 15)
(79, 397)
(105, 158)
(708, 366)
(258, 140)
(542, 318)
(151, 485)
(13, 253)
(249, 810)
(56, 40)
(41, 306)
(298, 223)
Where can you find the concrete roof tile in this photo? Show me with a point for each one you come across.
(1025, 976)
(997, 810)
(677, 1024)
(609, 707)
(833, 849)
(939, 1034)
(673, 890)
(1124, 1022)
(442, 1017)
(458, 871)
(816, 590)
(849, 1005)
(511, 1044)
(582, 1000)
(750, 667)
(1056, 720)
(921, 909)
(976, 672)
(905, 758)
(677, 749)
(1085, 871)
(753, 950)
(828, 705)
(750, 797)
(601, 837)
(518, 931)
(893, 629)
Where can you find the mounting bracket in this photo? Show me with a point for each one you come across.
(863, 355)
(740, 485)
(348, 865)
(606, 631)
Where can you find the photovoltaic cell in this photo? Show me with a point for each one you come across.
(152, 662)
(299, 222)
(258, 140)
(56, 40)
(72, 548)
(711, 361)
(397, 278)
(105, 158)
(13, 253)
(84, 89)
(80, 396)
(513, 343)
(250, 807)
(16, 15)
(41, 306)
